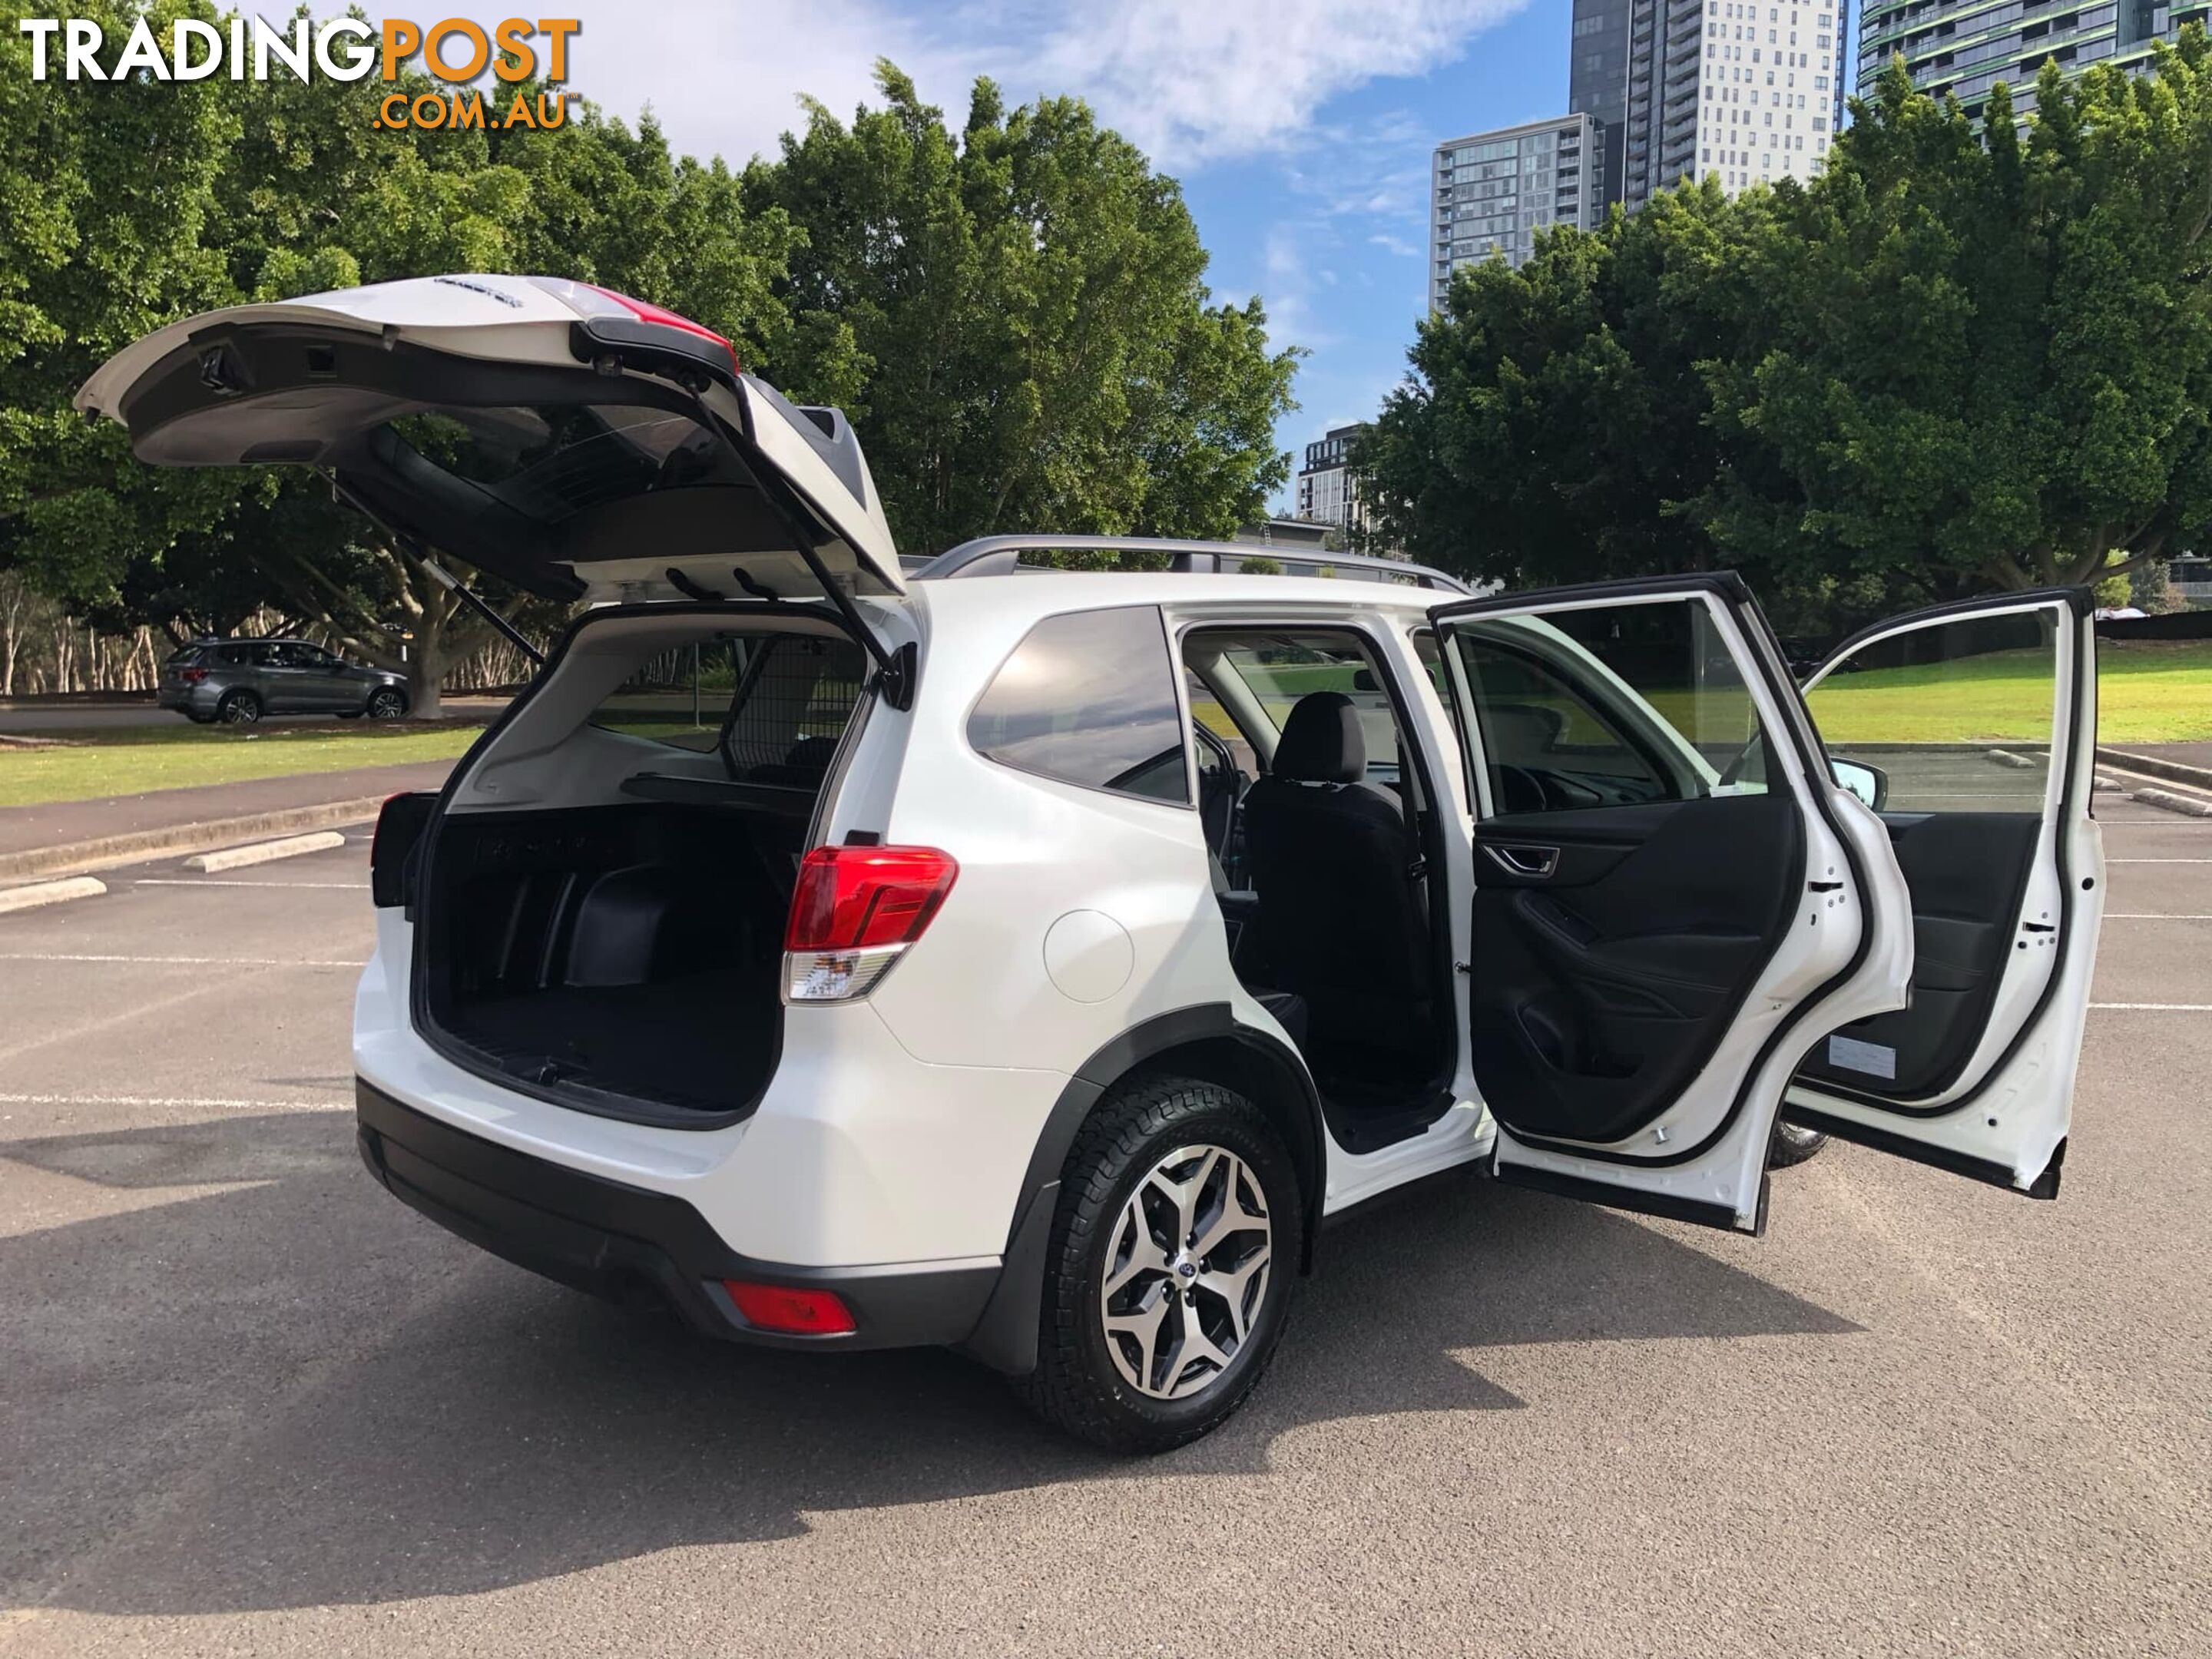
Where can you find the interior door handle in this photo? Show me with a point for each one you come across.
(1525, 861)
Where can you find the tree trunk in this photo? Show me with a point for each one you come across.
(426, 663)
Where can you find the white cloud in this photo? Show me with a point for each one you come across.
(1397, 245)
(1191, 81)
(726, 79)
(1200, 81)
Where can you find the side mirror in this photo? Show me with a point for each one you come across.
(1869, 783)
(1363, 679)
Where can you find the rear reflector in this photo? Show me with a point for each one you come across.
(790, 1310)
(855, 911)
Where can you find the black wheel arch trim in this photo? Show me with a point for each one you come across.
(1006, 1337)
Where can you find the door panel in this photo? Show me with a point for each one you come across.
(1966, 871)
(1673, 900)
(1604, 987)
(1984, 716)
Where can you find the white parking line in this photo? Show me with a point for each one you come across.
(179, 961)
(194, 1102)
(221, 881)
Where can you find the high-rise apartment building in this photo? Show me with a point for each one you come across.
(1966, 46)
(1597, 86)
(1491, 191)
(1747, 91)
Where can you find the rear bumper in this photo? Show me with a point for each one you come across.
(609, 1238)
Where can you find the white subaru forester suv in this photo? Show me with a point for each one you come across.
(850, 953)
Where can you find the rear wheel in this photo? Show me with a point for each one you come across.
(1178, 1233)
(386, 704)
(238, 709)
(1793, 1145)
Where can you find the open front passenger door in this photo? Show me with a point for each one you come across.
(1972, 729)
(1674, 900)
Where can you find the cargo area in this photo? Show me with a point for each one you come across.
(618, 948)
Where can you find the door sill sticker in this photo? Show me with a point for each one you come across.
(1874, 1059)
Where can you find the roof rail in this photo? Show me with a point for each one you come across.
(1000, 556)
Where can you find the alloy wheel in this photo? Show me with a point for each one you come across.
(1191, 1252)
(385, 705)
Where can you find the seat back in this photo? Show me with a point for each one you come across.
(1341, 919)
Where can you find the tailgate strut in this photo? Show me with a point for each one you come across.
(453, 585)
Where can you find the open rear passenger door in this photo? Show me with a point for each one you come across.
(1674, 900)
(1971, 729)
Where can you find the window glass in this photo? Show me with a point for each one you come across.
(552, 462)
(783, 700)
(1609, 706)
(1090, 698)
(1956, 717)
(1282, 667)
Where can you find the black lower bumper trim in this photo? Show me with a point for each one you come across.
(612, 1239)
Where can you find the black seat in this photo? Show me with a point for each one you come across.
(1342, 919)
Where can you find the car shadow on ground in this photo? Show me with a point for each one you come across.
(251, 1380)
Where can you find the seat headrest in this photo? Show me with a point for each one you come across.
(1321, 741)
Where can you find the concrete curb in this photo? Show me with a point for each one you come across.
(49, 892)
(140, 846)
(2154, 766)
(265, 851)
(2192, 806)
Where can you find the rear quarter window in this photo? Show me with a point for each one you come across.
(1089, 698)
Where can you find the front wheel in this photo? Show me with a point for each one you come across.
(1169, 1275)
(1792, 1145)
(386, 703)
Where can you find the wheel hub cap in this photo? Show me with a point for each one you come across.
(1187, 1272)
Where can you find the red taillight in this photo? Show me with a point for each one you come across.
(191, 676)
(787, 1309)
(858, 899)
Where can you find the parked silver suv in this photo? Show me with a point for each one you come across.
(239, 681)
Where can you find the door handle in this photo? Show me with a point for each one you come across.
(1525, 861)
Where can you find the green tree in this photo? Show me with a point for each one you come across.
(106, 191)
(1022, 332)
(1954, 363)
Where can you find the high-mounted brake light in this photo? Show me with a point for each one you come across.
(590, 300)
(853, 912)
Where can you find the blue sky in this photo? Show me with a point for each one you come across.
(1300, 129)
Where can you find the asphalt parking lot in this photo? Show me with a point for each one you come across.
(253, 1405)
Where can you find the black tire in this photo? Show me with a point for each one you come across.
(238, 709)
(386, 702)
(1792, 1145)
(1077, 1385)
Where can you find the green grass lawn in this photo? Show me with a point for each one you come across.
(131, 759)
(2148, 692)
